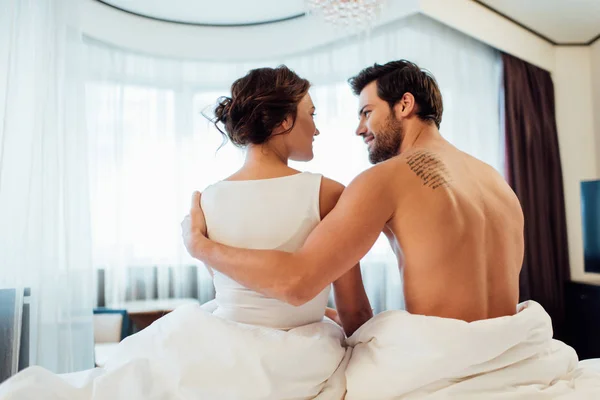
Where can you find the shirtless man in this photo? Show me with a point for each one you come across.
(457, 222)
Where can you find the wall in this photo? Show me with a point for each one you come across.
(575, 120)
(477, 21)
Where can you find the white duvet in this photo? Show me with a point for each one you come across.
(191, 354)
(402, 356)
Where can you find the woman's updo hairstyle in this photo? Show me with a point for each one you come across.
(259, 102)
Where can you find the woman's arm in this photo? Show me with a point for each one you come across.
(351, 301)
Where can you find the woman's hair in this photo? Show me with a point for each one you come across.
(259, 102)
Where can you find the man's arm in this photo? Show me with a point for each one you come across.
(335, 246)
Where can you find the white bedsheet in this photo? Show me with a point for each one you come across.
(593, 364)
(402, 356)
(191, 354)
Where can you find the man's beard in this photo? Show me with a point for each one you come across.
(386, 143)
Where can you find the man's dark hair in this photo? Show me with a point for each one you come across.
(398, 77)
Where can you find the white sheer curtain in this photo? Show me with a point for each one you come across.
(45, 237)
(150, 147)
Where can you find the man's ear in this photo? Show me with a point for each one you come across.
(406, 106)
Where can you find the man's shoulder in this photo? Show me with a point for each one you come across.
(385, 176)
(373, 175)
(387, 171)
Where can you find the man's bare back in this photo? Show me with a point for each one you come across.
(460, 229)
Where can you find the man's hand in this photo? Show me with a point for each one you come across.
(193, 227)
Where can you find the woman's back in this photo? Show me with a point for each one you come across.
(277, 213)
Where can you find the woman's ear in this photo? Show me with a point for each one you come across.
(286, 124)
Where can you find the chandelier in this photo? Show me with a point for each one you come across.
(347, 13)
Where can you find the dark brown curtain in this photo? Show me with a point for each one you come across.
(535, 174)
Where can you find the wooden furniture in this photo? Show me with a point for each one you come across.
(144, 312)
(112, 324)
(583, 318)
(110, 327)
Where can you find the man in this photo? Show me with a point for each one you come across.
(454, 218)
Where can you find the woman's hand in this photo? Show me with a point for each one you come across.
(332, 314)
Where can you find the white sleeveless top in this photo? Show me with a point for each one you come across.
(274, 214)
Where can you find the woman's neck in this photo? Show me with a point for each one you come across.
(262, 156)
(262, 162)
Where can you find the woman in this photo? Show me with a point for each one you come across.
(194, 354)
(268, 205)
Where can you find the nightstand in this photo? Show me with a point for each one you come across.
(583, 318)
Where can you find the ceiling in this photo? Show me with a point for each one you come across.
(559, 21)
(210, 12)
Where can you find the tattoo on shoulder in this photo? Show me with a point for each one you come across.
(430, 168)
